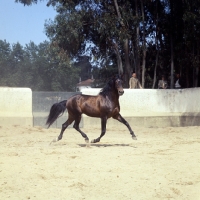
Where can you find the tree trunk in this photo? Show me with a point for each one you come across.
(127, 61)
(172, 63)
(133, 63)
(172, 44)
(197, 69)
(194, 65)
(118, 55)
(144, 47)
(119, 59)
(137, 52)
(157, 48)
(126, 44)
(155, 69)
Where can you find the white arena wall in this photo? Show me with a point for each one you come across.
(155, 108)
(15, 106)
(140, 107)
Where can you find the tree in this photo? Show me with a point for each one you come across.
(108, 25)
(27, 2)
(5, 51)
(42, 68)
(149, 37)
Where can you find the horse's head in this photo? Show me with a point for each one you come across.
(118, 84)
(113, 85)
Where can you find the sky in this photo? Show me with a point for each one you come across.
(19, 23)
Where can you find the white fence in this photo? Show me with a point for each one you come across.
(158, 108)
(16, 106)
(140, 107)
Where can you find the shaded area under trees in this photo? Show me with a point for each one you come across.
(150, 37)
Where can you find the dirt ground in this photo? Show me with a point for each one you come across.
(164, 163)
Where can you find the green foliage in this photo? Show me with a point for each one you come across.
(27, 2)
(41, 68)
(170, 32)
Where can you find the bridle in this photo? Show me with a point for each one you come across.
(118, 84)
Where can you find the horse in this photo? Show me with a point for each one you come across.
(105, 105)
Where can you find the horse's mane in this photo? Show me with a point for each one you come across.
(108, 87)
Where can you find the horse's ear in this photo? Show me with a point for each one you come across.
(121, 76)
(114, 76)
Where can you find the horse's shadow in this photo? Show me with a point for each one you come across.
(107, 145)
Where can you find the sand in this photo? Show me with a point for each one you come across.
(164, 163)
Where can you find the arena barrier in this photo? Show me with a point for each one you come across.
(21, 106)
(155, 108)
(42, 102)
(15, 106)
(140, 107)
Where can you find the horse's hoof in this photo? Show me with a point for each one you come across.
(87, 141)
(88, 144)
(134, 137)
(93, 141)
(54, 140)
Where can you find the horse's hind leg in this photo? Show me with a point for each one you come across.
(76, 126)
(122, 120)
(64, 126)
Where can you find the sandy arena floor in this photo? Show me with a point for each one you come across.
(164, 163)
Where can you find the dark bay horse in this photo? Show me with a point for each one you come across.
(105, 105)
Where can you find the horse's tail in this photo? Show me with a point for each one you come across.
(56, 111)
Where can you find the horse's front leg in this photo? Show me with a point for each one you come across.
(122, 120)
(103, 130)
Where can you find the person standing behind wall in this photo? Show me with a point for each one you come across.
(134, 83)
(178, 82)
(162, 84)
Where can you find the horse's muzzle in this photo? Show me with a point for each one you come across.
(121, 92)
